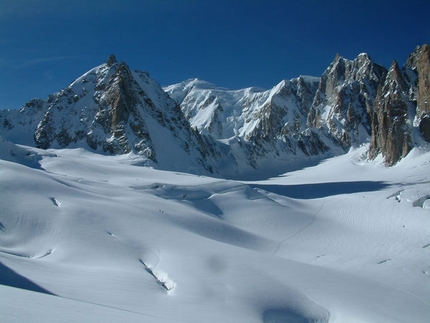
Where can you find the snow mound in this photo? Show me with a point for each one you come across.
(19, 154)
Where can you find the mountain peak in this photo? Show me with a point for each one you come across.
(111, 60)
(364, 55)
(394, 66)
(395, 74)
(337, 57)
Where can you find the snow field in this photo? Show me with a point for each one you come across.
(344, 241)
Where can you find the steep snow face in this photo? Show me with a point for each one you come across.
(213, 110)
(90, 237)
(223, 113)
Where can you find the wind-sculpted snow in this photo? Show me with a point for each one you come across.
(115, 241)
(18, 154)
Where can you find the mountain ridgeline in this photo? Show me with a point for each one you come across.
(197, 127)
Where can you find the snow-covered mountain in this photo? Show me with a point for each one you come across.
(111, 109)
(263, 128)
(195, 126)
(310, 116)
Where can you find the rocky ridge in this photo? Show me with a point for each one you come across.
(401, 116)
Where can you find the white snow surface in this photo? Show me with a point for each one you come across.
(93, 238)
(226, 113)
(217, 100)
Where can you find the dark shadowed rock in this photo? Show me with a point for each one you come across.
(391, 134)
(344, 100)
(423, 99)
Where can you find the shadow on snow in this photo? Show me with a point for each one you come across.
(10, 278)
(319, 190)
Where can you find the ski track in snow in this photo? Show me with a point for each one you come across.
(113, 307)
(300, 231)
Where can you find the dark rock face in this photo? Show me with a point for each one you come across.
(104, 121)
(425, 128)
(345, 97)
(116, 107)
(423, 71)
(45, 133)
(421, 63)
(391, 135)
(401, 105)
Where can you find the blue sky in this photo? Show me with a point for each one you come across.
(45, 45)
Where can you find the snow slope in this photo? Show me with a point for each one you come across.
(92, 238)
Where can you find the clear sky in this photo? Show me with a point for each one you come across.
(46, 44)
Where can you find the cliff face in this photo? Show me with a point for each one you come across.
(422, 67)
(391, 134)
(345, 98)
(401, 106)
(419, 60)
(102, 123)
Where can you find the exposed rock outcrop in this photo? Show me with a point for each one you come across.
(419, 62)
(100, 108)
(391, 134)
(345, 97)
(402, 104)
